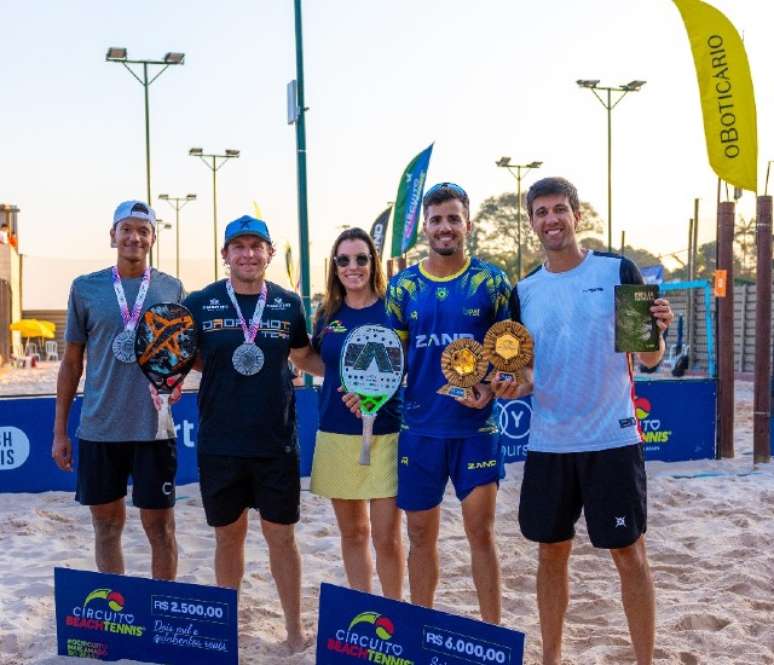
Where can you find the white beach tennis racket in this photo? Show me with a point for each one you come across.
(371, 367)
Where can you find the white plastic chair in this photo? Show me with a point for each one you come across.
(18, 359)
(52, 351)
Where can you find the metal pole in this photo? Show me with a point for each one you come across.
(214, 219)
(691, 276)
(762, 398)
(609, 174)
(726, 332)
(695, 232)
(623, 243)
(177, 239)
(145, 85)
(695, 246)
(303, 223)
(518, 220)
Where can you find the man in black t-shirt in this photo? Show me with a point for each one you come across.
(247, 329)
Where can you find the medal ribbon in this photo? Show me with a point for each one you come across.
(255, 322)
(130, 319)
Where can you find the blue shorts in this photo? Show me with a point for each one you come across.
(425, 464)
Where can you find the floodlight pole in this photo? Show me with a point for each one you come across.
(179, 203)
(214, 166)
(160, 226)
(145, 82)
(505, 162)
(609, 105)
(303, 222)
(145, 86)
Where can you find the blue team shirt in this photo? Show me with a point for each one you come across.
(430, 312)
(328, 338)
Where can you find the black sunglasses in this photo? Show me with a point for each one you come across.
(447, 185)
(342, 261)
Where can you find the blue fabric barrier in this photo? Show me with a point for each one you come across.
(677, 419)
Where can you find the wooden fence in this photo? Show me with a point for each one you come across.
(744, 326)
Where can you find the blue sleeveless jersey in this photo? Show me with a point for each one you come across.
(430, 312)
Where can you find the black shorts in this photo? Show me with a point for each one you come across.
(609, 485)
(104, 469)
(271, 485)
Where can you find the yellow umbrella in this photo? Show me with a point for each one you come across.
(34, 328)
(50, 325)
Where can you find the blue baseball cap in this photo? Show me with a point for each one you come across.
(134, 210)
(246, 226)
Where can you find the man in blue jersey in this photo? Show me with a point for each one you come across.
(585, 448)
(446, 297)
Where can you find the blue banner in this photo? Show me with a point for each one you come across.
(358, 627)
(26, 425)
(676, 418)
(652, 274)
(110, 617)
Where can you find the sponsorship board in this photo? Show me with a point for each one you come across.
(110, 617)
(25, 441)
(358, 627)
(513, 419)
(676, 419)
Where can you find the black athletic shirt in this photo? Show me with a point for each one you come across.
(246, 416)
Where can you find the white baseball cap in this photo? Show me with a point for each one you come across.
(134, 210)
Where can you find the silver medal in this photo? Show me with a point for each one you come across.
(123, 346)
(247, 359)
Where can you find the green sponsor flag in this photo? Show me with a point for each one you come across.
(408, 203)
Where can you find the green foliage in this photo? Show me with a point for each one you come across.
(496, 232)
(495, 239)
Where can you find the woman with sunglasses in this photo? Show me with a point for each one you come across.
(363, 496)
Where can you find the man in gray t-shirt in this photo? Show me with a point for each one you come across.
(117, 433)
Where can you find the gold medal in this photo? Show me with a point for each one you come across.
(463, 366)
(508, 346)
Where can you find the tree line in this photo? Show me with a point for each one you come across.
(495, 239)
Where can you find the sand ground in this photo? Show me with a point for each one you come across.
(710, 539)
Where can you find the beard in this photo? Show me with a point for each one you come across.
(446, 250)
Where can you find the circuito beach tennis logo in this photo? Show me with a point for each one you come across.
(651, 427)
(103, 610)
(369, 636)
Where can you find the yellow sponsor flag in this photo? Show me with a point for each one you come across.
(290, 267)
(726, 89)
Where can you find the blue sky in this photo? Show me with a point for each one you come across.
(384, 79)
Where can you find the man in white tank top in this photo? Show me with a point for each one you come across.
(585, 448)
